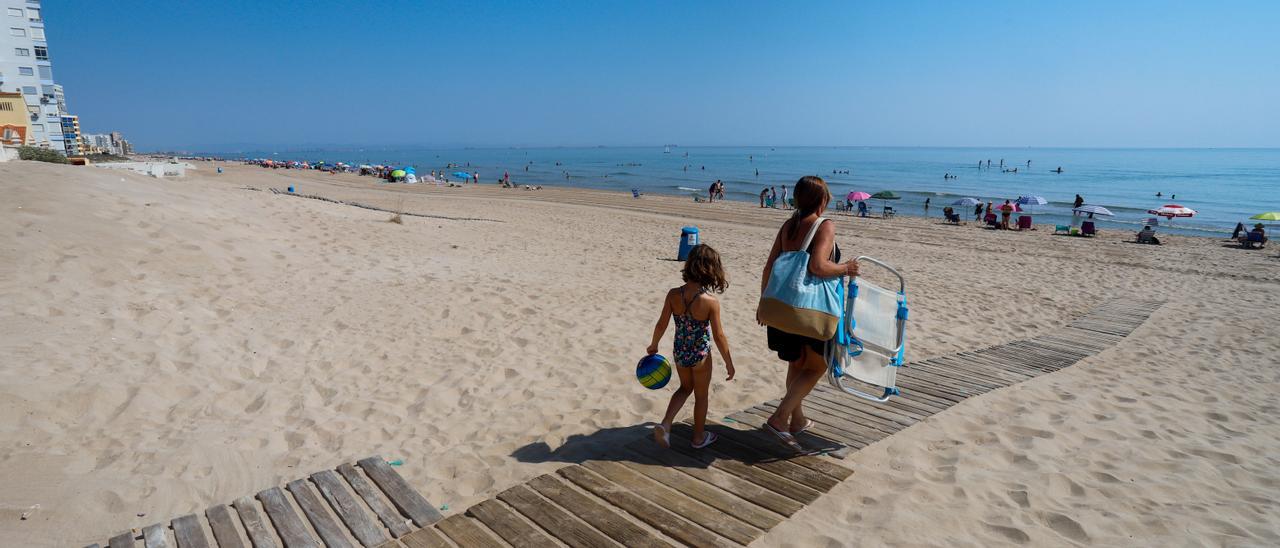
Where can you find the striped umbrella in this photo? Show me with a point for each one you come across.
(970, 202)
(1031, 200)
(1094, 209)
(1172, 210)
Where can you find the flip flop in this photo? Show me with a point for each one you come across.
(661, 436)
(808, 423)
(785, 437)
(708, 438)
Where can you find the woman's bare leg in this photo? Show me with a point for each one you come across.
(811, 371)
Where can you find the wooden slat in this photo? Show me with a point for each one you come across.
(188, 533)
(670, 524)
(409, 501)
(314, 509)
(362, 527)
(223, 526)
(589, 510)
(425, 538)
(466, 532)
(821, 439)
(288, 524)
(704, 492)
(723, 524)
(253, 522)
(509, 526)
(122, 540)
(851, 433)
(773, 482)
(553, 519)
(153, 536)
(754, 448)
(728, 482)
(398, 525)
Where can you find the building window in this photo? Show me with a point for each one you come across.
(22, 52)
(33, 14)
(26, 71)
(15, 12)
(37, 34)
(28, 90)
(39, 128)
(46, 73)
(6, 106)
(42, 53)
(15, 31)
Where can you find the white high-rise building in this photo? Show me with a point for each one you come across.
(25, 68)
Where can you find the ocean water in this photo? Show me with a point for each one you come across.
(1224, 186)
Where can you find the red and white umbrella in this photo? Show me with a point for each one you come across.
(1172, 210)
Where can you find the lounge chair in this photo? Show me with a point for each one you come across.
(991, 221)
(868, 347)
(1087, 228)
(1024, 222)
(1250, 240)
(1065, 229)
(635, 193)
(888, 211)
(1148, 236)
(950, 215)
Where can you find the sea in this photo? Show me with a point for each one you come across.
(1223, 186)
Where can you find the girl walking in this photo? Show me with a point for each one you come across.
(697, 315)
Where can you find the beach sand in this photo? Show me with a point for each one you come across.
(170, 344)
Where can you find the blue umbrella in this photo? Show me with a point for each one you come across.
(966, 202)
(1031, 200)
(462, 174)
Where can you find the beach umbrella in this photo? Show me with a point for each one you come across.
(1094, 209)
(857, 196)
(1013, 207)
(885, 195)
(1031, 200)
(462, 174)
(397, 173)
(1172, 210)
(1268, 216)
(968, 202)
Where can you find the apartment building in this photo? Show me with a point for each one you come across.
(26, 68)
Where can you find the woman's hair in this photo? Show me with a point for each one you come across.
(811, 196)
(703, 266)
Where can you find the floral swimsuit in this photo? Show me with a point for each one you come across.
(693, 336)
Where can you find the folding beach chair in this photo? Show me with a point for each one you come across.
(869, 345)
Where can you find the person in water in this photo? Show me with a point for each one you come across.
(1079, 201)
(697, 315)
(805, 357)
(764, 194)
(926, 207)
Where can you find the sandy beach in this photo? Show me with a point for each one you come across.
(168, 344)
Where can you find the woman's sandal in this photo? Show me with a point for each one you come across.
(708, 438)
(808, 423)
(661, 436)
(785, 437)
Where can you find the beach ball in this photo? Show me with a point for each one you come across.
(653, 371)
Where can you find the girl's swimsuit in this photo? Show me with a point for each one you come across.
(693, 336)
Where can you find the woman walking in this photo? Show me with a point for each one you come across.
(805, 357)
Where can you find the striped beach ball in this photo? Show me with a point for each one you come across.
(653, 371)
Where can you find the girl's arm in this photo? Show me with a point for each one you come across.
(661, 328)
(820, 260)
(722, 342)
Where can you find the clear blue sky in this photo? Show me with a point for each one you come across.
(1110, 74)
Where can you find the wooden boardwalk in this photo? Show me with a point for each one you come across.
(728, 494)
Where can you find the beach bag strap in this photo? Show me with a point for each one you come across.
(812, 231)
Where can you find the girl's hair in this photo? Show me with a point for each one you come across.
(703, 266)
(811, 196)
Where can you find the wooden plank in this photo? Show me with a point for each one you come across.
(332, 488)
(854, 435)
(765, 452)
(188, 533)
(153, 536)
(254, 525)
(509, 526)
(723, 524)
(398, 525)
(288, 524)
(553, 519)
(591, 511)
(773, 482)
(705, 493)
(425, 538)
(408, 500)
(852, 413)
(728, 482)
(314, 509)
(668, 523)
(122, 540)
(823, 439)
(467, 532)
(223, 526)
